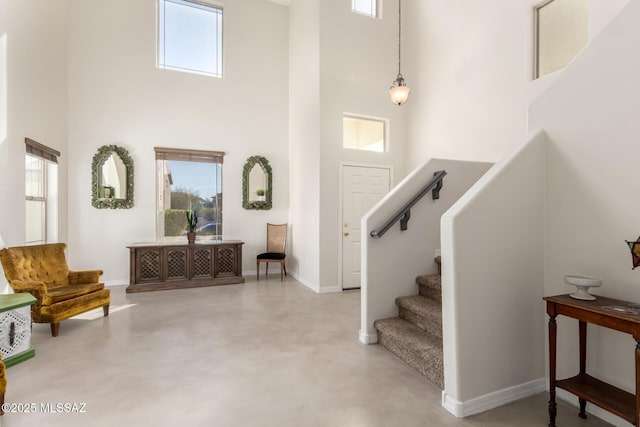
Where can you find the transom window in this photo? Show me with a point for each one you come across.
(190, 37)
(365, 7)
(362, 133)
(188, 180)
(41, 193)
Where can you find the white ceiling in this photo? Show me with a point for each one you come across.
(282, 2)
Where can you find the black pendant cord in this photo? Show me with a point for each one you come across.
(399, 34)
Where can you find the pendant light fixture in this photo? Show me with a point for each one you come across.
(399, 92)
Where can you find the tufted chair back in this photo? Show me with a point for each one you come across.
(46, 263)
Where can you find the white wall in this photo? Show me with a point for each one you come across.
(492, 271)
(341, 62)
(387, 271)
(591, 117)
(357, 66)
(118, 96)
(469, 64)
(33, 102)
(303, 257)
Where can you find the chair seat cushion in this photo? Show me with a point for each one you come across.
(271, 255)
(57, 294)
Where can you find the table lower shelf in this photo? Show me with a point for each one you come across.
(604, 395)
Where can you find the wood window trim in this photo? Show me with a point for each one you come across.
(181, 154)
(40, 150)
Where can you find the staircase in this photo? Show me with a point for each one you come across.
(416, 335)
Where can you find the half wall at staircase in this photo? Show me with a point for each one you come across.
(390, 264)
(492, 270)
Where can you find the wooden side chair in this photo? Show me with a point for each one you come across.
(276, 242)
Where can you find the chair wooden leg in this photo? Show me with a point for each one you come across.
(257, 270)
(266, 271)
(285, 268)
(55, 329)
(105, 310)
(281, 271)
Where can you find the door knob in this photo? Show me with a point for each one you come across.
(346, 234)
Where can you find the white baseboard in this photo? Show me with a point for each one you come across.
(305, 282)
(330, 289)
(366, 338)
(492, 400)
(112, 283)
(594, 410)
(315, 288)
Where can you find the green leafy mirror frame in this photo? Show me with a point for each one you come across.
(102, 194)
(248, 192)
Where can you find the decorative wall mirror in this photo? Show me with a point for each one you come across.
(112, 178)
(256, 184)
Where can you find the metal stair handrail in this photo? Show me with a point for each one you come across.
(403, 215)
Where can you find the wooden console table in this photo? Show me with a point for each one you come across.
(610, 313)
(167, 265)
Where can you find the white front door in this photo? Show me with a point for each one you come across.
(362, 187)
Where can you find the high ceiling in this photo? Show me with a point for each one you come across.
(282, 2)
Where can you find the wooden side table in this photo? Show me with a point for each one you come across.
(15, 328)
(610, 313)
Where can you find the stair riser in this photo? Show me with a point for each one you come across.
(433, 326)
(430, 367)
(429, 292)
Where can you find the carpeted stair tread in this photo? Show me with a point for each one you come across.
(421, 305)
(430, 285)
(419, 349)
(423, 312)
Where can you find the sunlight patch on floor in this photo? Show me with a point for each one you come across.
(97, 313)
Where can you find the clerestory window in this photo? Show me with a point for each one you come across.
(365, 7)
(190, 37)
(561, 32)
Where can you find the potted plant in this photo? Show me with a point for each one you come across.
(192, 222)
(260, 194)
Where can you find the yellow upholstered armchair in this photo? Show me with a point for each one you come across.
(42, 271)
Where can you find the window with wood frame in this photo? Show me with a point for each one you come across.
(41, 193)
(188, 180)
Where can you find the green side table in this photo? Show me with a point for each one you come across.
(15, 328)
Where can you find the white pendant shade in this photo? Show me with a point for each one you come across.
(399, 94)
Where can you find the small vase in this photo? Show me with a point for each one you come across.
(191, 238)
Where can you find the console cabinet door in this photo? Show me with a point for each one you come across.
(226, 261)
(202, 262)
(176, 265)
(148, 265)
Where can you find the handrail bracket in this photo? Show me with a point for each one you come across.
(405, 219)
(435, 193)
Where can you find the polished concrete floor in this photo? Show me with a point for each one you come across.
(257, 354)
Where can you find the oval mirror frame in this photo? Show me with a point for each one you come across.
(99, 160)
(256, 204)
